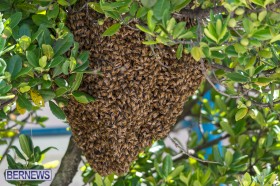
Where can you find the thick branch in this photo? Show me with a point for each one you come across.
(68, 166)
(199, 13)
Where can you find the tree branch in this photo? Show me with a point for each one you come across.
(7, 102)
(68, 166)
(199, 13)
(14, 137)
(200, 147)
(190, 155)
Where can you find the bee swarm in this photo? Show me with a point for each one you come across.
(140, 94)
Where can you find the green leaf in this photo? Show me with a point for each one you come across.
(26, 145)
(11, 162)
(217, 155)
(75, 49)
(220, 103)
(56, 61)
(63, 3)
(196, 53)
(144, 29)
(24, 42)
(142, 11)
(24, 103)
(258, 2)
(96, 6)
(19, 154)
(133, 8)
(275, 38)
(98, 180)
(48, 51)
(53, 11)
(24, 30)
(3, 66)
(57, 111)
(40, 19)
(167, 165)
(60, 91)
(241, 113)
(63, 45)
(148, 3)
(15, 19)
(26, 7)
(24, 71)
(160, 7)
(2, 44)
(112, 30)
(226, 127)
(179, 29)
(47, 149)
(262, 34)
(237, 77)
(265, 54)
(206, 176)
(82, 97)
(176, 172)
(182, 5)
(43, 61)
(159, 171)
(150, 21)
(47, 94)
(185, 179)
(179, 51)
(5, 5)
(77, 82)
(240, 48)
(32, 59)
(14, 65)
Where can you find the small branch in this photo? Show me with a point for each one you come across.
(203, 146)
(7, 102)
(190, 155)
(10, 144)
(212, 84)
(211, 143)
(14, 137)
(222, 67)
(69, 165)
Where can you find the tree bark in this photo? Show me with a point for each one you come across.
(69, 165)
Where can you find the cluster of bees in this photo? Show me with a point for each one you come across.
(139, 95)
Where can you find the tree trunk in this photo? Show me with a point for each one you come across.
(68, 166)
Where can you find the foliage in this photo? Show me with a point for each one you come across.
(34, 66)
(238, 41)
(32, 156)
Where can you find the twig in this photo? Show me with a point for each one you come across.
(3, 130)
(14, 137)
(221, 92)
(211, 143)
(5, 103)
(203, 146)
(222, 67)
(190, 155)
